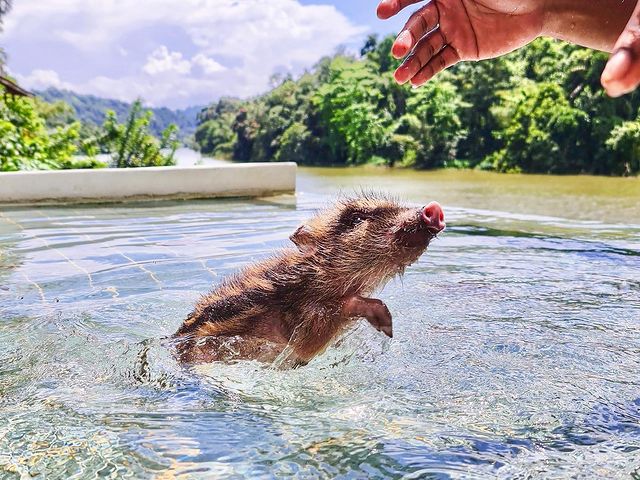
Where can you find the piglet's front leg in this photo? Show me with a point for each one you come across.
(374, 310)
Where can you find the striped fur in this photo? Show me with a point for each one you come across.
(295, 298)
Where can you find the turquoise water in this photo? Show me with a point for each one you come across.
(515, 351)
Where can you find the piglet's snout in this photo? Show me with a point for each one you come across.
(433, 216)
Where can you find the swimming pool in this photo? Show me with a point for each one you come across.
(515, 350)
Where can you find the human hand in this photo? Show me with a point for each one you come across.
(445, 32)
(622, 73)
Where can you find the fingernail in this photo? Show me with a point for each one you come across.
(384, 9)
(617, 67)
(417, 81)
(402, 44)
(400, 75)
(618, 89)
(404, 37)
(405, 71)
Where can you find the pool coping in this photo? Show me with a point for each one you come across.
(132, 184)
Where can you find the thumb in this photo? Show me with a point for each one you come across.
(622, 73)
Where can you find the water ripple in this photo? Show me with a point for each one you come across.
(515, 353)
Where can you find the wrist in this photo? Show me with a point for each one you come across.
(591, 23)
(560, 18)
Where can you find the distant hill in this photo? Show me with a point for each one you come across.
(91, 109)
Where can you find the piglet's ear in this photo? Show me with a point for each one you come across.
(303, 238)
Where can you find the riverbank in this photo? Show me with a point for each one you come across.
(538, 110)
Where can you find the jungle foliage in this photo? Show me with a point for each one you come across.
(36, 135)
(540, 110)
(132, 145)
(26, 143)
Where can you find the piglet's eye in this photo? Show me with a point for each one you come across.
(357, 219)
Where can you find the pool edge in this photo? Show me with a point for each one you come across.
(154, 183)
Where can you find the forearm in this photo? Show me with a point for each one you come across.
(591, 23)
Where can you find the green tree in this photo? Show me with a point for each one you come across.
(349, 104)
(379, 54)
(433, 125)
(480, 84)
(25, 141)
(297, 144)
(624, 147)
(541, 131)
(214, 134)
(56, 114)
(131, 144)
(215, 137)
(259, 126)
(539, 109)
(370, 44)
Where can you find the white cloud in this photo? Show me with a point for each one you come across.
(41, 79)
(164, 61)
(177, 53)
(208, 65)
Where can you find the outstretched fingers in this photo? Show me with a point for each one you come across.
(443, 60)
(427, 48)
(419, 24)
(389, 8)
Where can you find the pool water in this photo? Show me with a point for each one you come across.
(515, 353)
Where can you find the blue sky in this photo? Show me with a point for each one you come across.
(178, 54)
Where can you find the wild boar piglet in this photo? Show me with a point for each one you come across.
(303, 297)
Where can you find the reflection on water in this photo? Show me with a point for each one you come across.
(515, 351)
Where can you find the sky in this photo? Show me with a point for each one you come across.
(178, 54)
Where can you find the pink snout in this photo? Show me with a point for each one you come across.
(433, 217)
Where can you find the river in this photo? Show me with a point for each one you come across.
(515, 350)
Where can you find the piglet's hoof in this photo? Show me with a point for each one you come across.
(374, 310)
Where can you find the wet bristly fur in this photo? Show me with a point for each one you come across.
(295, 298)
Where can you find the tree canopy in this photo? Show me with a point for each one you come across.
(25, 141)
(36, 135)
(540, 109)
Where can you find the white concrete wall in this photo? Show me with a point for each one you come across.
(233, 180)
